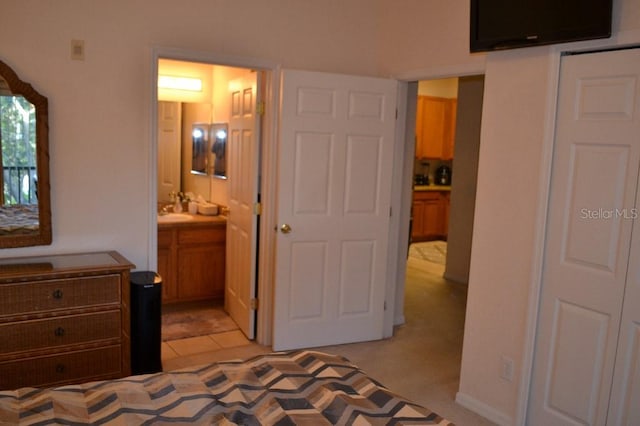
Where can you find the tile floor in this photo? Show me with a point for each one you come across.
(196, 345)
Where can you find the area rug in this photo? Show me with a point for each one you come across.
(195, 320)
(431, 251)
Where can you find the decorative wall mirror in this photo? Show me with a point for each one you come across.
(25, 204)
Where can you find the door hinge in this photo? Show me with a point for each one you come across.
(257, 209)
(260, 108)
(390, 211)
(254, 304)
(385, 305)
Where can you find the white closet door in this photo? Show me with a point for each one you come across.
(624, 408)
(593, 195)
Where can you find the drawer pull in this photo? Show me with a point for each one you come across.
(59, 332)
(60, 368)
(57, 294)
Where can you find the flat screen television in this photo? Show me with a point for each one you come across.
(509, 24)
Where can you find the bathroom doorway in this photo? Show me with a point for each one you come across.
(228, 95)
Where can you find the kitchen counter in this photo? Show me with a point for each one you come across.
(432, 187)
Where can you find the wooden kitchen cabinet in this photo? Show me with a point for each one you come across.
(430, 215)
(191, 261)
(435, 127)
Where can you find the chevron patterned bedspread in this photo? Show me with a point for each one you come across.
(282, 388)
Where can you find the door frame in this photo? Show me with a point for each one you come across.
(403, 173)
(267, 166)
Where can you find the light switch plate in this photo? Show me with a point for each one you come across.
(77, 50)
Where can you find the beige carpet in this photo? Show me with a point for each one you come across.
(422, 359)
(194, 319)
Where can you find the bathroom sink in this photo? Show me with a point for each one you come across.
(174, 217)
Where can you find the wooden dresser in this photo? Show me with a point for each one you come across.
(64, 319)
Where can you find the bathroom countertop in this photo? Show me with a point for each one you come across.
(432, 187)
(196, 220)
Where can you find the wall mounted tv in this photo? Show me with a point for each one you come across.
(508, 24)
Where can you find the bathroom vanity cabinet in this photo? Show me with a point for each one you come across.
(191, 259)
(64, 319)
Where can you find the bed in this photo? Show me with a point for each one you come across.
(21, 219)
(281, 388)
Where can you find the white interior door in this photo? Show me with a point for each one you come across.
(242, 173)
(334, 179)
(590, 219)
(169, 148)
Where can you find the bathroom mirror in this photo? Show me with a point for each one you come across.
(218, 138)
(199, 147)
(25, 206)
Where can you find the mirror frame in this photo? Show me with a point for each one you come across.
(43, 235)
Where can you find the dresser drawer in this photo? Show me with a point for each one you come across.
(59, 331)
(80, 366)
(36, 296)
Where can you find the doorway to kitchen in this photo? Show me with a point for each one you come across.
(443, 188)
(432, 172)
(445, 163)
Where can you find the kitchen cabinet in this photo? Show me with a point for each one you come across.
(430, 215)
(435, 127)
(64, 319)
(191, 260)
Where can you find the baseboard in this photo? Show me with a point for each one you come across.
(399, 319)
(483, 409)
(456, 279)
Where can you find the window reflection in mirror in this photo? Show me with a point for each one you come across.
(18, 151)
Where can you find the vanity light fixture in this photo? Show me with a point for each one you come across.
(180, 83)
(221, 134)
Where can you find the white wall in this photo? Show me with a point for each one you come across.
(465, 172)
(100, 108)
(439, 88)
(504, 233)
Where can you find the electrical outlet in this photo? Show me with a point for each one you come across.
(77, 50)
(507, 368)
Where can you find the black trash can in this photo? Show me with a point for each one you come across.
(146, 307)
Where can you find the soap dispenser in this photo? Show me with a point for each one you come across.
(177, 207)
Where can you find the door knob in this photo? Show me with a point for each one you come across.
(285, 228)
